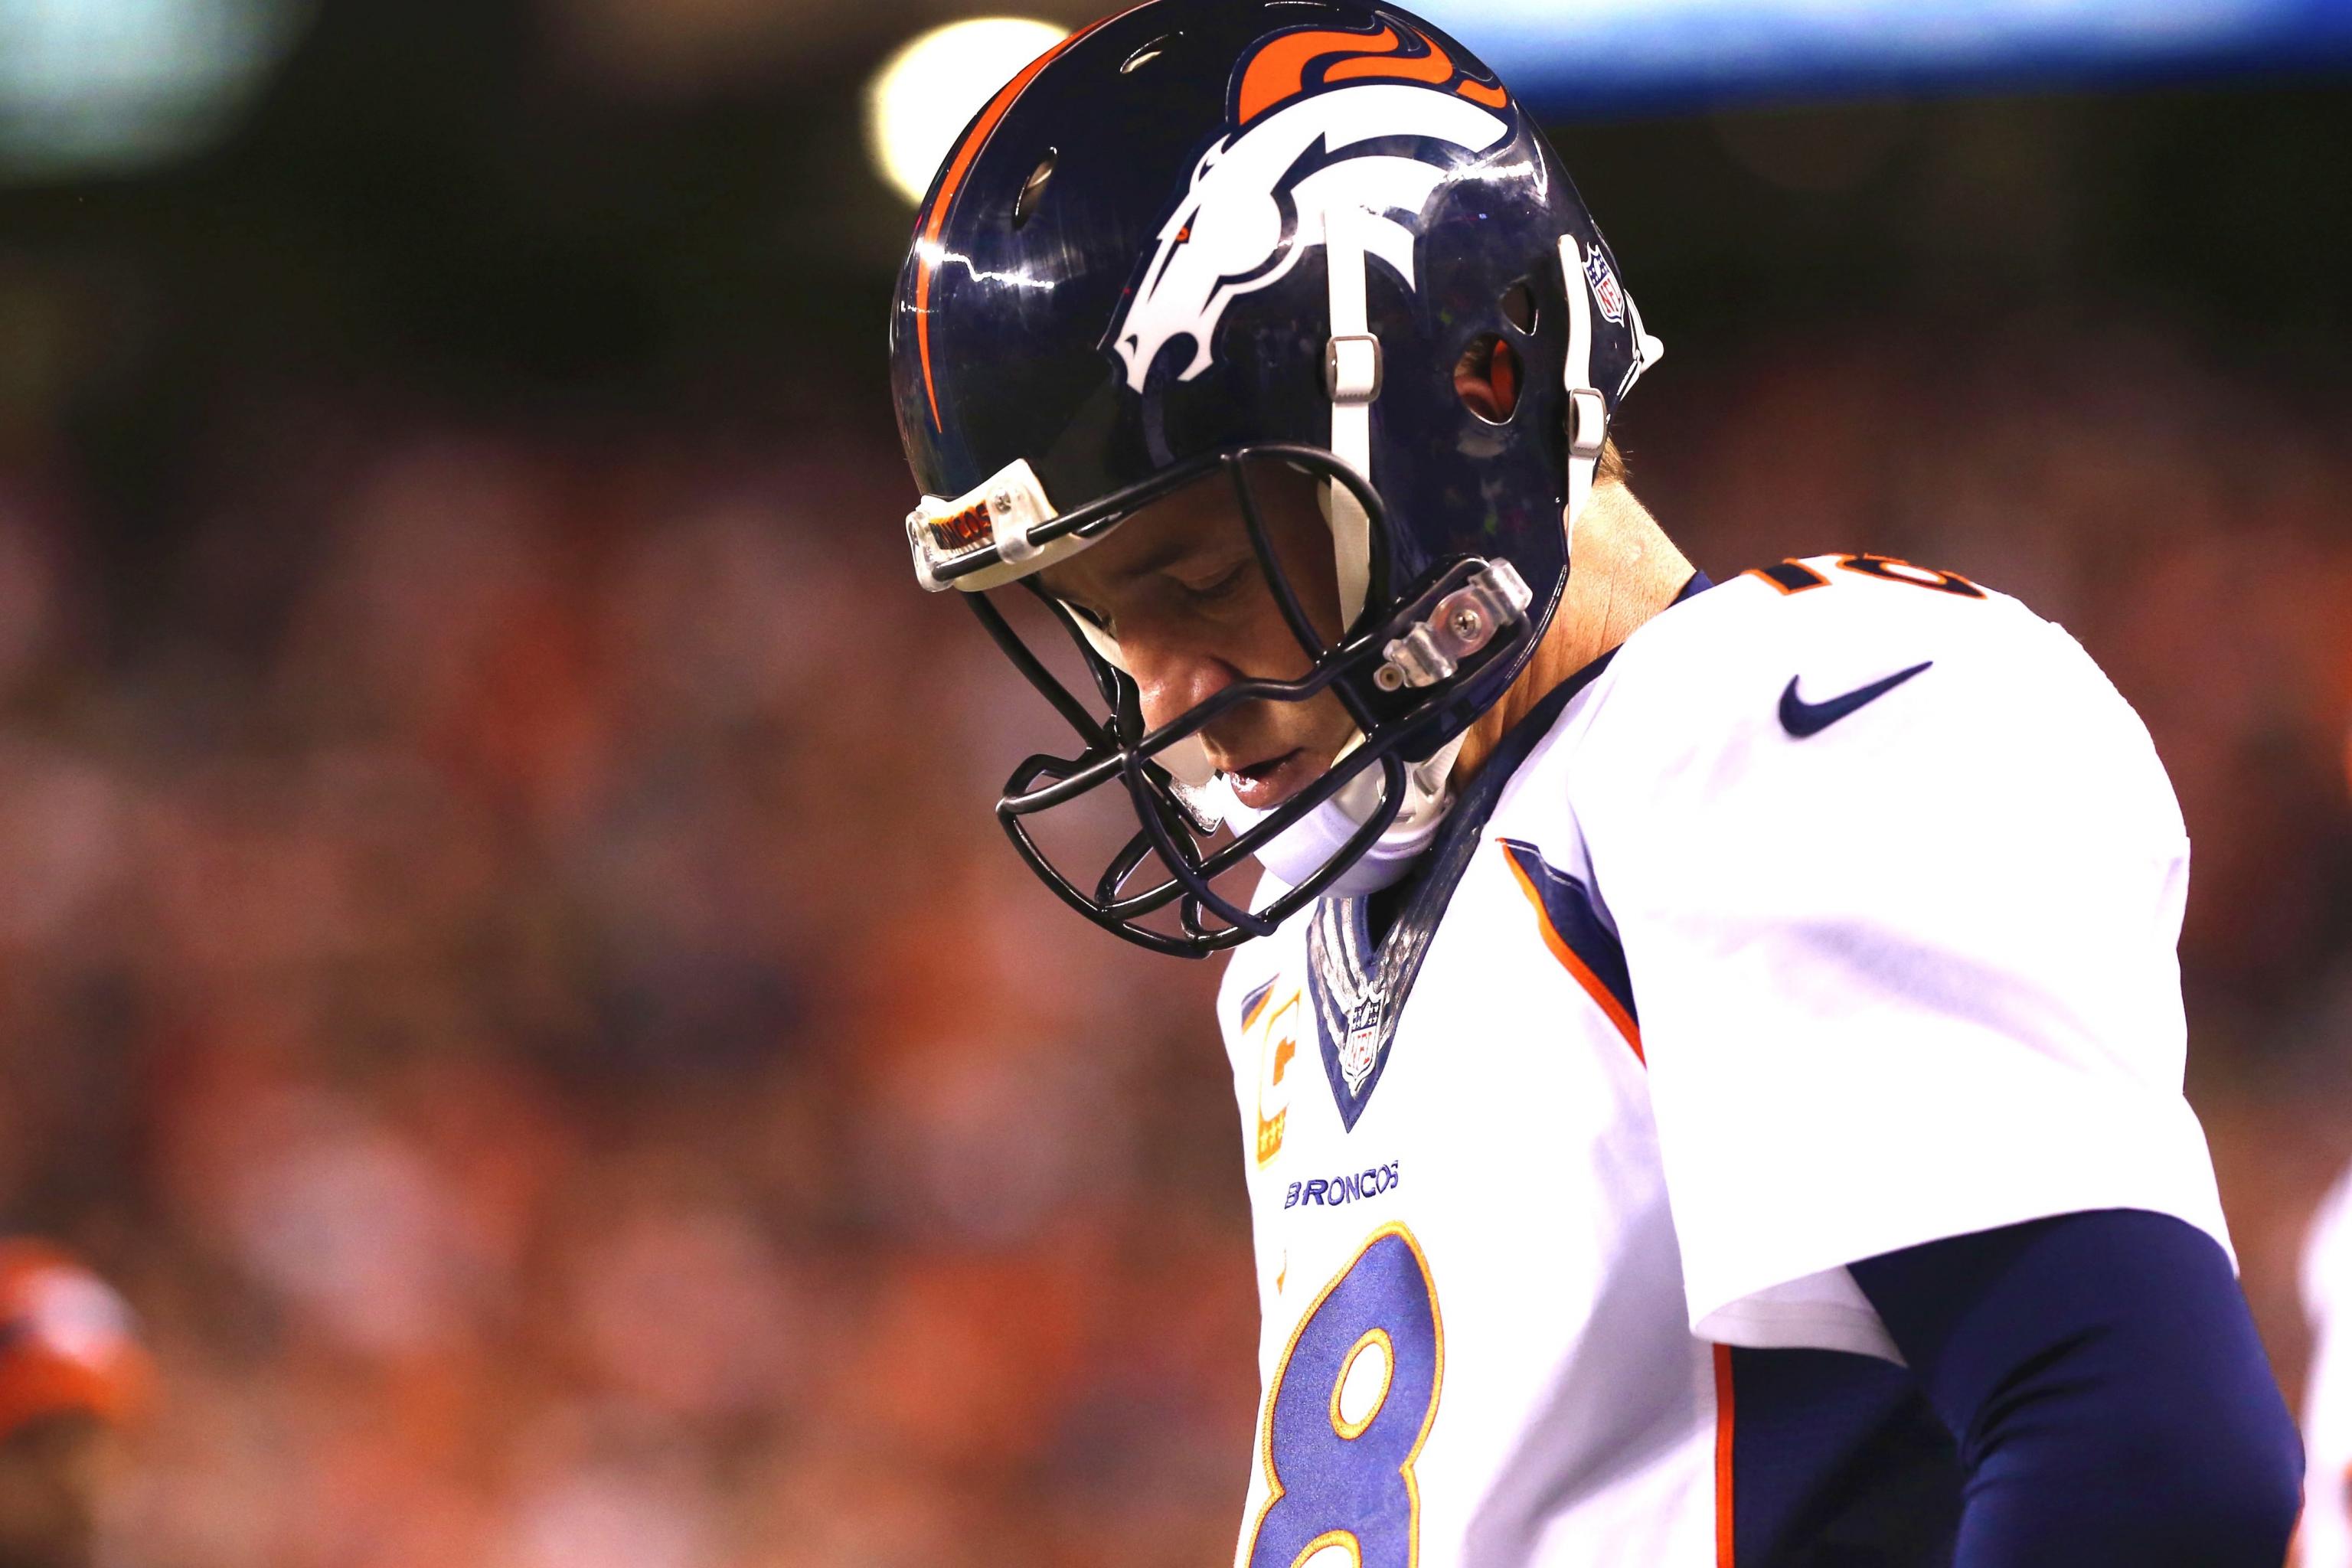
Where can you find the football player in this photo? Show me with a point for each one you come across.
(1709, 1057)
(73, 1375)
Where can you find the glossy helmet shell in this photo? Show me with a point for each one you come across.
(1205, 235)
(1003, 332)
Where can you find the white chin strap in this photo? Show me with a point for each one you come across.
(1588, 411)
(1309, 845)
(1352, 373)
(1351, 377)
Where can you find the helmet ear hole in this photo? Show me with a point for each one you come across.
(1033, 189)
(1518, 307)
(1486, 379)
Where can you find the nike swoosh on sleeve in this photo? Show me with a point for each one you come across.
(1802, 717)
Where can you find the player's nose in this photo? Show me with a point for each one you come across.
(1173, 675)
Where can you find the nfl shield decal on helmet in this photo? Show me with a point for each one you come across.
(1290, 159)
(1606, 291)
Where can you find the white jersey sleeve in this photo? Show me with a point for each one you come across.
(2325, 1541)
(1905, 959)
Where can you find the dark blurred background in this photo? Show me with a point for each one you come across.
(492, 840)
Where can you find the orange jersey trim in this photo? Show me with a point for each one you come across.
(1725, 1541)
(1578, 971)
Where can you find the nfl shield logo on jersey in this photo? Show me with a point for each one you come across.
(1606, 291)
(1361, 1051)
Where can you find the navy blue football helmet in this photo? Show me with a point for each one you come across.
(1204, 236)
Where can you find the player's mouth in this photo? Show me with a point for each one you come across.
(1264, 785)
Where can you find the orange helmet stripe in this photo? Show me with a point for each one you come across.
(926, 262)
(1275, 75)
(1433, 66)
(1278, 71)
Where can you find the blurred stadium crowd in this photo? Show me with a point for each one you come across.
(504, 958)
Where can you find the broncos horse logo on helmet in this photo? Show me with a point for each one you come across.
(1148, 260)
(1259, 201)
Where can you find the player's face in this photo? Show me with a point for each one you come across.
(54, 1473)
(1179, 586)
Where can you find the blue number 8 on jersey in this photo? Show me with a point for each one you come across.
(1352, 1402)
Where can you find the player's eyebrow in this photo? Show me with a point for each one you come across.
(1165, 553)
(1175, 547)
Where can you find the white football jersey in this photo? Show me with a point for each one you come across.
(2326, 1538)
(1834, 914)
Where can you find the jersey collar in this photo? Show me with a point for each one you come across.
(1358, 983)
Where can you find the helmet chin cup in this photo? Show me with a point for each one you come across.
(1297, 854)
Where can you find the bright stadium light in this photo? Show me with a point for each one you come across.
(88, 85)
(930, 90)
